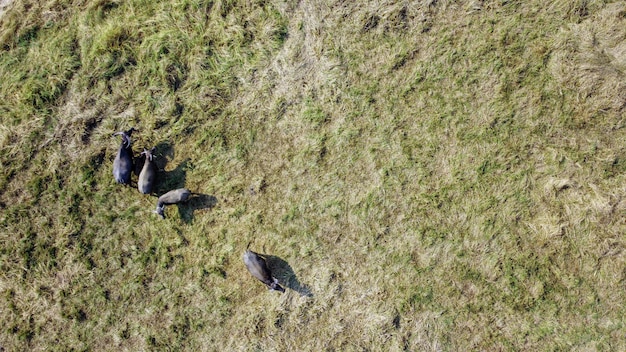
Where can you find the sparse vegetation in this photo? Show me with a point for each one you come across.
(422, 175)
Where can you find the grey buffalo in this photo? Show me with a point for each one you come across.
(258, 268)
(147, 176)
(171, 197)
(123, 164)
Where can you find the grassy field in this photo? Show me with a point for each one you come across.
(422, 175)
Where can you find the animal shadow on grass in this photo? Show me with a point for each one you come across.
(197, 201)
(168, 180)
(282, 271)
(138, 161)
(173, 179)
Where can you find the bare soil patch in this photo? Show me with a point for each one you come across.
(4, 5)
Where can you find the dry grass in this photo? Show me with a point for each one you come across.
(590, 58)
(426, 175)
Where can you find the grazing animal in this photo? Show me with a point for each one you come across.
(147, 176)
(258, 268)
(171, 197)
(123, 164)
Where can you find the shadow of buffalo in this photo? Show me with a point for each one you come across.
(282, 271)
(197, 201)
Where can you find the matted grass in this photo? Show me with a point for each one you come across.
(427, 175)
